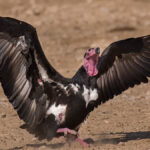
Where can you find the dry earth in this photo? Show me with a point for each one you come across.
(66, 28)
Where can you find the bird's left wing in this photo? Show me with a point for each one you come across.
(123, 64)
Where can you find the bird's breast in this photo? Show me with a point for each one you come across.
(71, 104)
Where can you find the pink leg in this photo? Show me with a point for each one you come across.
(83, 143)
(66, 131)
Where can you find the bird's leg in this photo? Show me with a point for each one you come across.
(72, 132)
(82, 142)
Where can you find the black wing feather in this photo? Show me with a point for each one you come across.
(123, 64)
(20, 58)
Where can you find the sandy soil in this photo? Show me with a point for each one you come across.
(66, 28)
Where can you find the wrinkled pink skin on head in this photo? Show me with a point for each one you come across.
(90, 62)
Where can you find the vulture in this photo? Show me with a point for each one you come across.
(52, 105)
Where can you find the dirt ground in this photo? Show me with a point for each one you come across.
(66, 28)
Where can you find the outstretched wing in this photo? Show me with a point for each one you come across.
(123, 64)
(25, 74)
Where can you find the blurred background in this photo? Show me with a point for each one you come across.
(66, 28)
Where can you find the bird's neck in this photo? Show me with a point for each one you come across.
(90, 67)
(81, 77)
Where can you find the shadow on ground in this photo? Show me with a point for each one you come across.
(122, 137)
(53, 146)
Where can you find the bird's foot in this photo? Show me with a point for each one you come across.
(66, 131)
(72, 132)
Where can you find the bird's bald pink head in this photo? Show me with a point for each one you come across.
(91, 60)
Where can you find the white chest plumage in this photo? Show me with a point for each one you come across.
(89, 95)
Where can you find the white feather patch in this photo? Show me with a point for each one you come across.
(64, 88)
(42, 70)
(93, 94)
(56, 111)
(89, 95)
(85, 94)
(75, 87)
(22, 42)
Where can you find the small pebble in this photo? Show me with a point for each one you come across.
(121, 143)
(106, 121)
(3, 115)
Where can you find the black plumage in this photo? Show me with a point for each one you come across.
(49, 102)
(123, 64)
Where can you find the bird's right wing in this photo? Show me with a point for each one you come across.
(25, 74)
